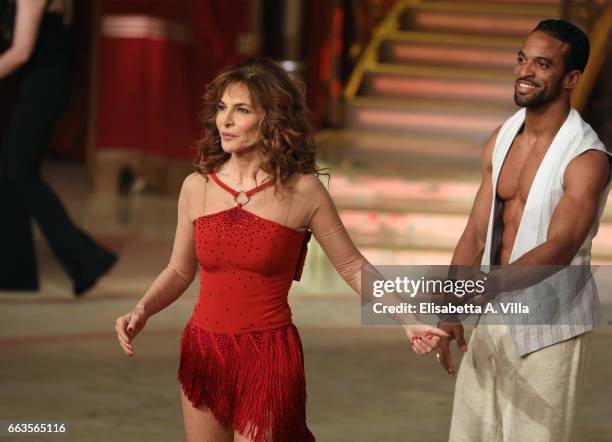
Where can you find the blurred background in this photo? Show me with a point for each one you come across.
(403, 94)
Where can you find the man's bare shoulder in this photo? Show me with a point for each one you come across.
(591, 168)
(487, 153)
(495, 133)
(492, 139)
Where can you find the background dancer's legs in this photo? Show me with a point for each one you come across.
(43, 99)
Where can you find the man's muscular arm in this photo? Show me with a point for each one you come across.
(585, 178)
(470, 248)
(471, 245)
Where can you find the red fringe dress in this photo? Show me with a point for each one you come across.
(241, 356)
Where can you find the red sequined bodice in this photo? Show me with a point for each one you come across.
(247, 265)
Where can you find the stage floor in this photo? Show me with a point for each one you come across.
(61, 362)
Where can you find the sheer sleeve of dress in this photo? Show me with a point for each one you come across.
(181, 270)
(325, 224)
(331, 234)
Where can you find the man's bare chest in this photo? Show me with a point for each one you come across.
(519, 170)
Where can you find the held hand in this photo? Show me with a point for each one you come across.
(443, 355)
(128, 326)
(424, 338)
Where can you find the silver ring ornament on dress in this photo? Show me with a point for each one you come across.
(242, 203)
(438, 357)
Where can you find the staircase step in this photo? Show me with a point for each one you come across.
(407, 256)
(464, 86)
(408, 230)
(510, 3)
(425, 117)
(475, 18)
(496, 7)
(440, 72)
(403, 194)
(388, 154)
(448, 52)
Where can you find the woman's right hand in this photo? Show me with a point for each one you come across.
(128, 326)
(424, 338)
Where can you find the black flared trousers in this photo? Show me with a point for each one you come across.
(24, 195)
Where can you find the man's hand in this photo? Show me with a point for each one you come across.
(455, 331)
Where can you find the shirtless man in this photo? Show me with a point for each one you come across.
(524, 384)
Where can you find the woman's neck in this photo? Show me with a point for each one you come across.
(244, 169)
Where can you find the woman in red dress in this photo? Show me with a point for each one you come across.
(241, 365)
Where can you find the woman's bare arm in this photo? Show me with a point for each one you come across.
(27, 23)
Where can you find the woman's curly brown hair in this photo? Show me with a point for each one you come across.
(286, 139)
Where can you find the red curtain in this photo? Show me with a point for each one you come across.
(155, 57)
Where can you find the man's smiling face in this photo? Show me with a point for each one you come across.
(540, 70)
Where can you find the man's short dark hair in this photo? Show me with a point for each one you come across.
(577, 55)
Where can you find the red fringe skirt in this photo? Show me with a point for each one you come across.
(252, 382)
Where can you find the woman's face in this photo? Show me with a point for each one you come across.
(238, 119)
